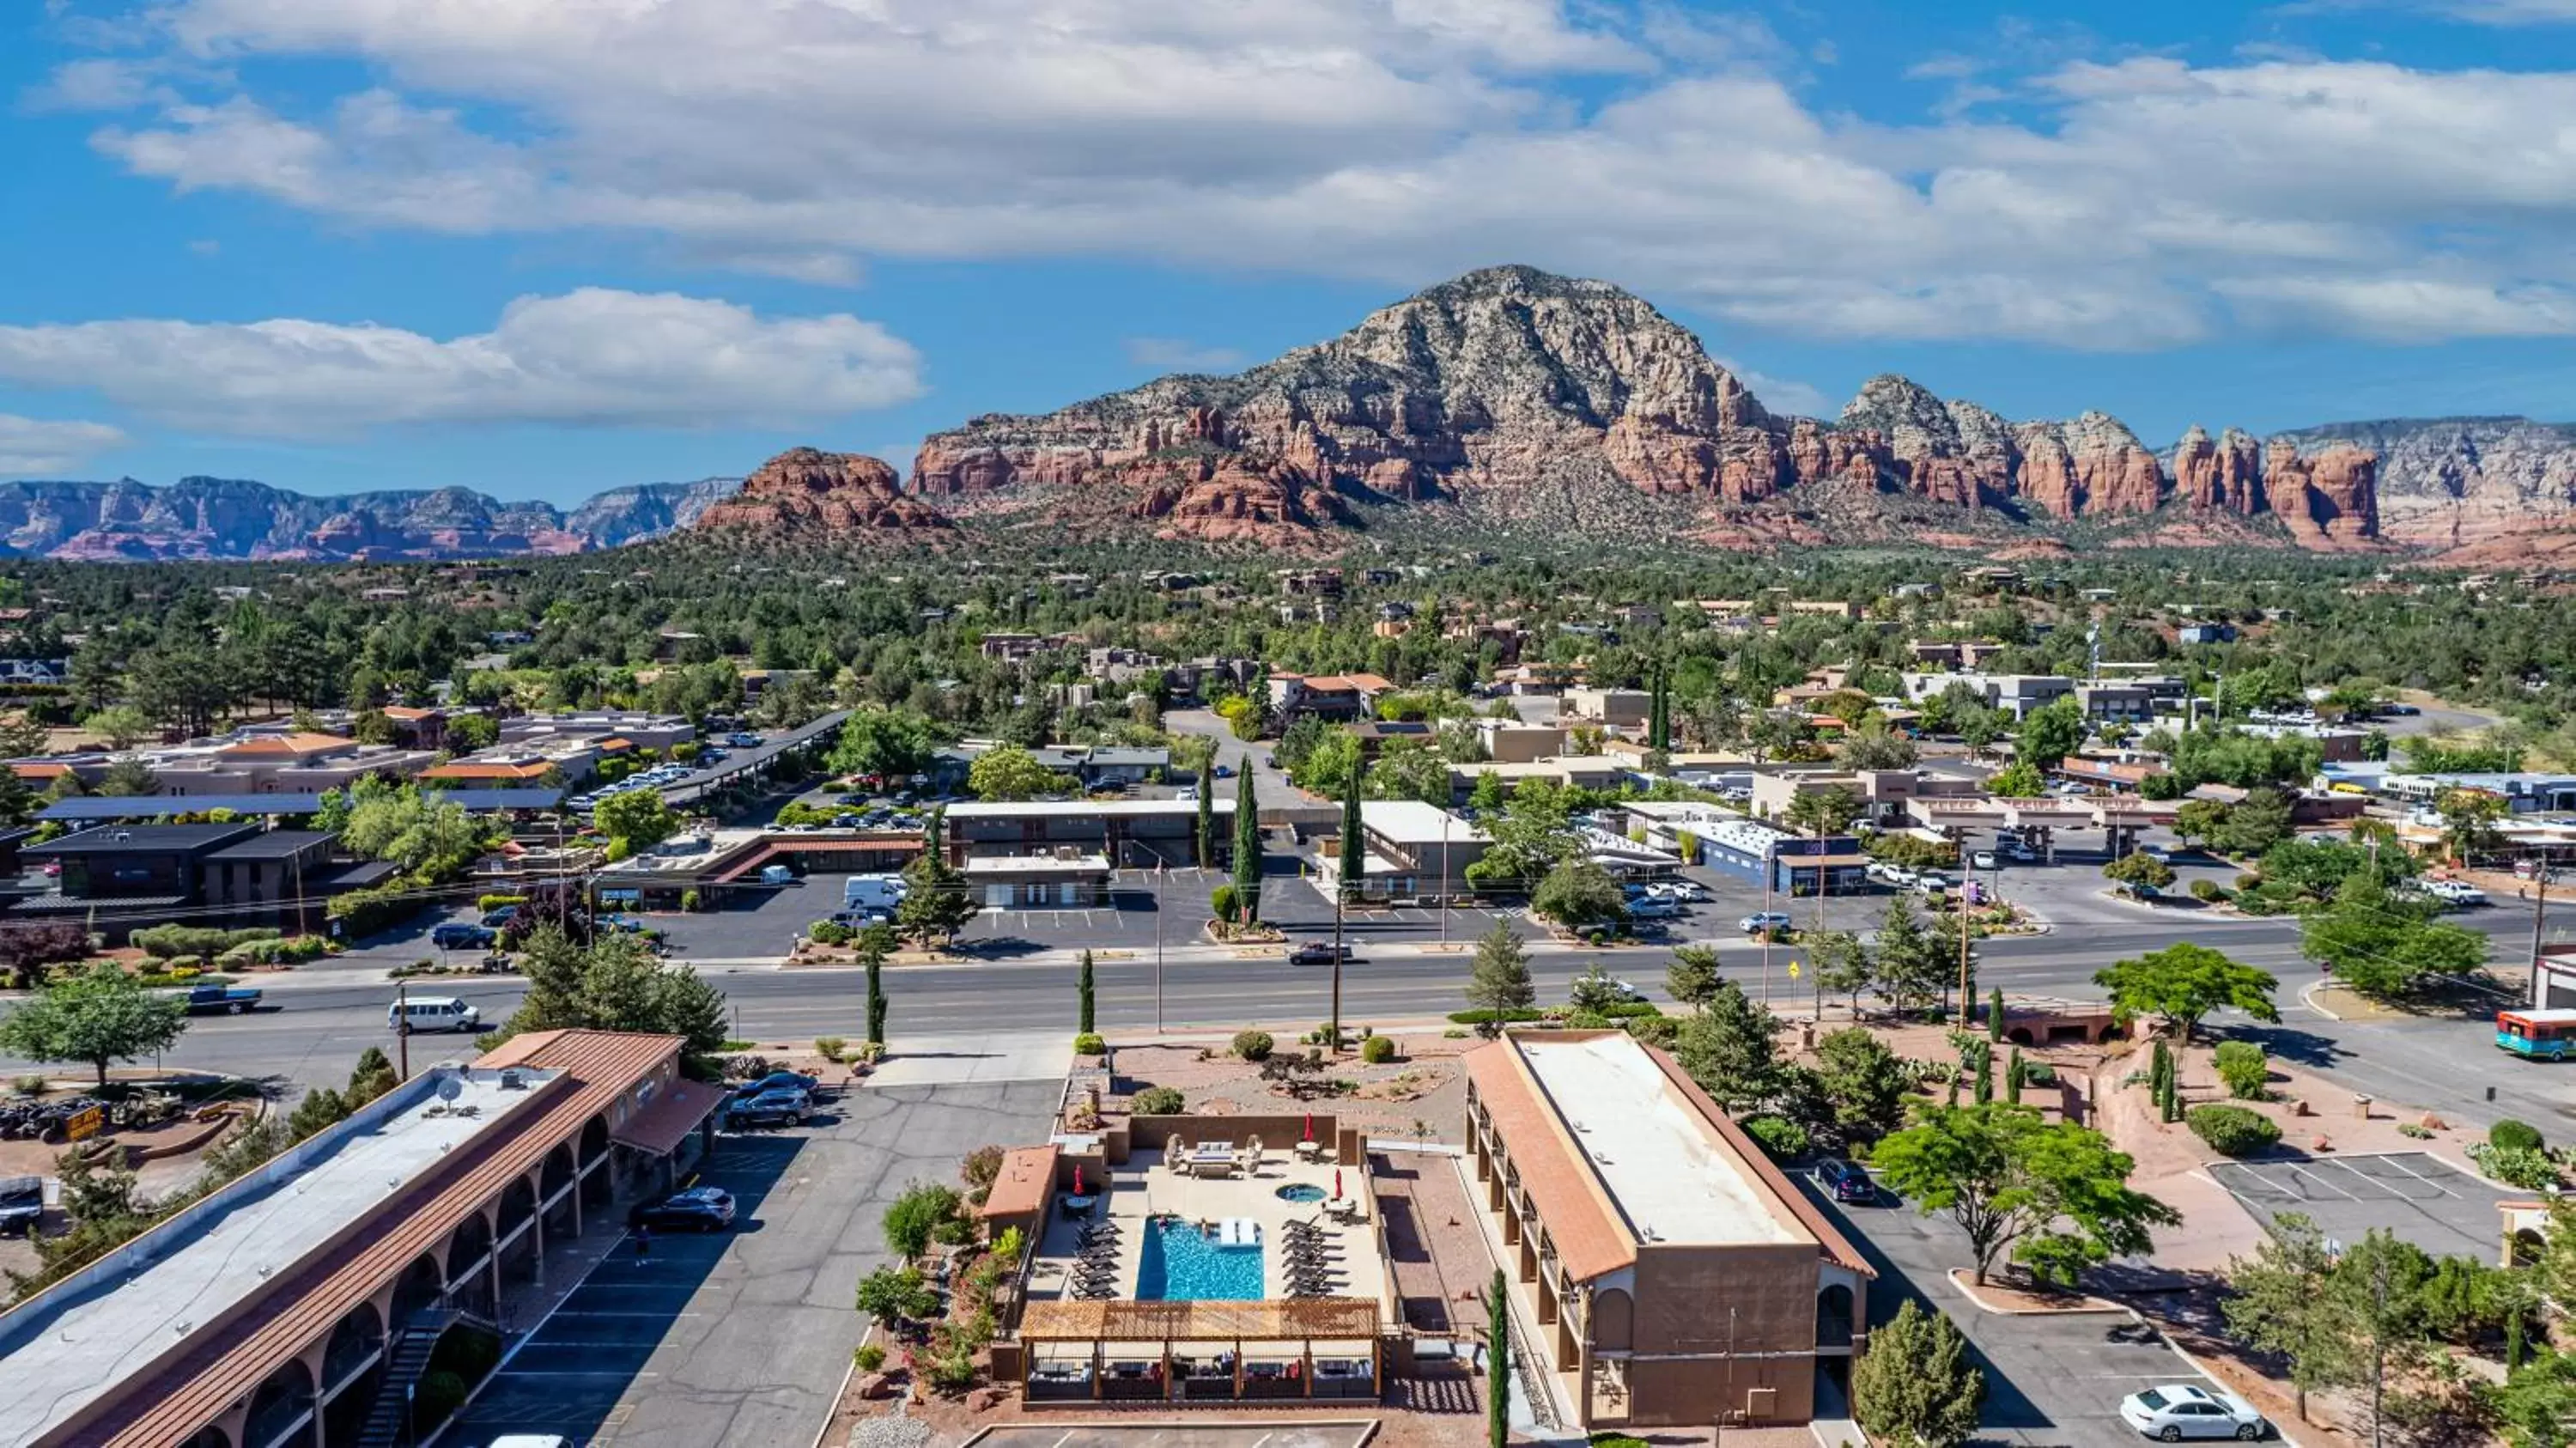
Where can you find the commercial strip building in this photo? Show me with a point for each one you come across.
(277, 1310)
(117, 878)
(1416, 852)
(1125, 833)
(1676, 1277)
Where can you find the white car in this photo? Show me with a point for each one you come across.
(1982, 860)
(2158, 853)
(2175, 1411)
(1761, 921)
(2455, 892)
(2020, 854)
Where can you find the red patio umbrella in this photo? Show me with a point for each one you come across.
(1337, 1184)
(1077, 1179)
(1309, 1134)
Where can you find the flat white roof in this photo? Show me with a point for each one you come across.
(1411, 822)
(74, 1345)
(1019, 809)
(1673, 1177)
(1036, 865)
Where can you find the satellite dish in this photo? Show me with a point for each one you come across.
(449, 1088)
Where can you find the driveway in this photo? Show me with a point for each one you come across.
(741, 1340)
(2050, 1380)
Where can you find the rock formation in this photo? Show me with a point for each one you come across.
(807, 491)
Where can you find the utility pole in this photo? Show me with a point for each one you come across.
(1770, 862)
(402, 1030)
(2539, 911)
(1967, 1001)
(1158, 955)
(1339, 898)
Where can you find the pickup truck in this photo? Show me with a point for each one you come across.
(234, 998)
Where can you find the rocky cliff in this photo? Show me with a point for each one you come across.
(225, 518)
(1510, 377)
(2455, 481)
(804, 491)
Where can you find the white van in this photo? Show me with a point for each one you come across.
(432, 1013)
(872, 892)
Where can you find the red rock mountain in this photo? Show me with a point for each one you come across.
(808, 491)
(1511, 377)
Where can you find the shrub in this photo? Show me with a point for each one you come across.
(869, 1357)
(829, 932)
(2233, 1130)
(1516, 1016)
(1377, 1050)
(2413, 1132)
(690, 902)
(1159, 1101)
(2511, 1135)
(489, 903)
(2207, 891)
(1253, 1045)
(1090, 1044)
(1654, 1030)
(2245, 1069)
(2531, 1171)
(439, 1394)
(1224, 900)
(1779, 1136)
(923, 1209)
(981, 1168)
(831, 1048)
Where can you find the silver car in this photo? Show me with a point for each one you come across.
(2175, 1411)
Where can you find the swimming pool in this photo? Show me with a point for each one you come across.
(1182, 1265)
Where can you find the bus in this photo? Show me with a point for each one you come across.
(2542, 1035)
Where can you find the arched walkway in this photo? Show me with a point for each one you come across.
(419, 1287)
(278, 1404)
(358, 1334)
(598, 1180)
(208, 1437)
(517, 1236)
(350, 1375)
(468, 1264)
(1834, 1316)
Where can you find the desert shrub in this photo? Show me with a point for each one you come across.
(869, 1357)
(829, 932)
(980, 1169)
(1224, 901)
(920, 1212)
(1783, 1138)
(2207, 891)
(831, 1048)
(1090, 1044)
(2233, 1130)
(489, 903)
(1516, 1016)
(2531, 1171)
(1253, 1045)
(1654, 1030)
(2414, 1132)
(1159, 1101)
(2245, 1069)
(1377, 1050)
(2512, 1135)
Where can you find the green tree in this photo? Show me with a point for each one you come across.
(2469, 823)
(2138, 870)
(1500, 982)
(1840, 962)
(2386, 947)
(1692, 979)
(1247, 851)
(1084, 1016)
(99, 1016)
(1578, 893)
(422, 831)
(2020, 779)
(1875, 746)
(937, 902)
(1498, 1363)
(615, 984)
(123, 726)
(127, 776)
(2199, 819)
(874, 944)
(2277, 1305)
(2537, 1403)
(1864, 1080)
(2375, 1293)
(884, 743)
(1908, 965)
(2048, 735)
(636, 820)
(2182, 983)
(2254, 824)
(1917, 1383)
(1007, 771)
(1728, 1049)
(1203, 827)
(2057, 1195)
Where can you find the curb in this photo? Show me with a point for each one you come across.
(2087, 1307)
(2307, 997)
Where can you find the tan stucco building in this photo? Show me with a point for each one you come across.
(1676, 1277)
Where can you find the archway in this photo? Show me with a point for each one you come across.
(1834, 1316)
(558, 1172)
(560, 1208)
(1613, 1319)
(418, 1287)
(518, 1240)
(351, 1373)
(2528, 1245)
(599, 1177)
(278, 1403)
(354, 1338)
(467, 1266)
(209, 1436)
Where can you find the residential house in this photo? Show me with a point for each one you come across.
(1326, 696)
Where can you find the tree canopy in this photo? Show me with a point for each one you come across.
(2057, 1195)
(2182, 983)
(100, 1017)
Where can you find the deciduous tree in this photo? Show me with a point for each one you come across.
(2056, 1195)
(2182, 983)
(100, 1016)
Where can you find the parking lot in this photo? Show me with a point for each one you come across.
(740, 1339)
(2416, 1196)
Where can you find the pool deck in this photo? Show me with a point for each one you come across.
(1144, 1186)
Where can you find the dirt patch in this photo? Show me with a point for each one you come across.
(1424, 1084)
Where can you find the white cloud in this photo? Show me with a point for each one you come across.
(2138, 204)
(1782, 394)
(588, 357)
(1172, 354)
(35, 446)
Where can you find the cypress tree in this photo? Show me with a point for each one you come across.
(1247, 852)
(2016, 1075)
(1354, 848)
(872, 951)
(1206, 833)
(1498, 1365)
(1084, 988)
(1995, 1016)
(1985, 1059)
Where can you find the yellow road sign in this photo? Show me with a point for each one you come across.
(85, 1123)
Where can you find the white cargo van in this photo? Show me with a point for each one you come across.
(872, 892)
(432, 1013)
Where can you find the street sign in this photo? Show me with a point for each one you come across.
(1793, 970)
(85, 1123)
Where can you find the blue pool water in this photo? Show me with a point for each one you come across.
(1301, 1192)
(1180, 1265)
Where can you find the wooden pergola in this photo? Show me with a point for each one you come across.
(1281, 1332)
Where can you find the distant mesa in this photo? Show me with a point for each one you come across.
(805, 491)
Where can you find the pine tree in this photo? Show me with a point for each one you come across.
(1247, 852)
(1084, 988)
(1500, 982)
(1916, 1383)
(1498, 1364)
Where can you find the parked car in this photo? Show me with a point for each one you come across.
(699, 1209)
(457, 935)
(2021, 854)
(1321, 952)
(1654, 907)
(497, 919)
(1845, 1182)
(2158, 853)
(1762, 920)
(22, 1202)
(1983, 860)
(780, 1081)
(1689, 891)
(2455, 892)
(2175, 1411)
(432, 1013)
(777, 875)
(776, 1108)
(1932, 882)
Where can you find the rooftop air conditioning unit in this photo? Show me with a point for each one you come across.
(512, 1080)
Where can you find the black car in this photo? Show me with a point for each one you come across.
(455, 936)
(1845, 1182)
(22, 1201)
(1321, 952)
(699, 1209)
(779, 1081)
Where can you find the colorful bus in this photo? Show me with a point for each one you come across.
(2543, 1035)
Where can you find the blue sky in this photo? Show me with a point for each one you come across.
(542, 247)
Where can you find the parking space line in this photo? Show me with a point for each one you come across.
(2321, 1181)
(2419, 1176)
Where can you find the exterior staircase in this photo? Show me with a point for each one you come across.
(406, 1360)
